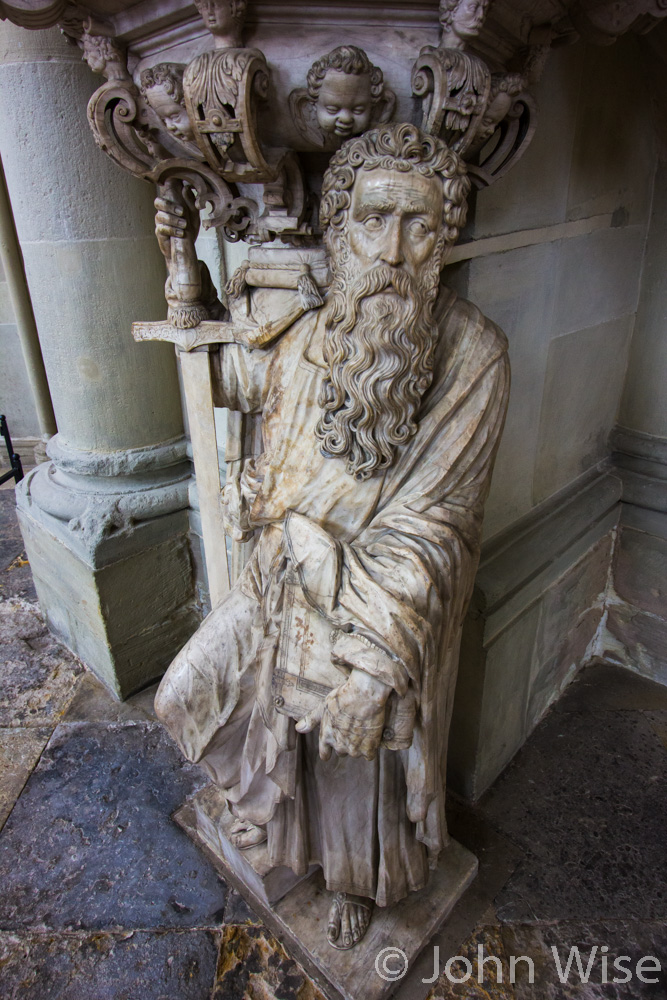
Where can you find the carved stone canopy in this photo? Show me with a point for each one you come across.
(236, 105)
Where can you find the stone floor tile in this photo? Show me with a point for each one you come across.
(658, 723)
(20, 750)
(586, 799)
(608, 687)
(15, 576)
(137, 965)
(622, 938)
(253, 964)
(37, 673)
(487, 980)
(90, 844)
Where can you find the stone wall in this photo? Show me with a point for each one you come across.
(574, 214)
(636, 623)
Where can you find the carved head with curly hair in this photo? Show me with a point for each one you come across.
(461, 19)
(393, 201)
(162, 86)
(345, 87)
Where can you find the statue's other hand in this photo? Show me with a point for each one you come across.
(353, 717)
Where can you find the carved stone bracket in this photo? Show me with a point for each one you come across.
(228, 211)
(113, 115)
(222, 88)
(202, 130)
(454, 87)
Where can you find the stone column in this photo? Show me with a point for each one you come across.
(105, 521)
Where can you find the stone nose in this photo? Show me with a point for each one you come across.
(392, 252)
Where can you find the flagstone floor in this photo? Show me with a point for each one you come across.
(102, 897)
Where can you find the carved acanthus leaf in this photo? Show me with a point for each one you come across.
(221, 89)
(455, 87)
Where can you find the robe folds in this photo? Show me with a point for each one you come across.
(389, 563)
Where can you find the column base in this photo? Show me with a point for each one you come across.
(111, 561)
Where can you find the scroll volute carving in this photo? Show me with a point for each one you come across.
(222, 88)
(453, 83)
(489, 118)
(345, 95)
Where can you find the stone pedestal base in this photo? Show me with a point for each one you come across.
(213, 822)
(299, 919)
(117, 591)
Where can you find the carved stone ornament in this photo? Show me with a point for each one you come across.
(489, 118)
(102, 53)
(221, 90)
(335, 650)
(345, 94)
(366, 403)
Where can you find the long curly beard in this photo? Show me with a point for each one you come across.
(379, 353)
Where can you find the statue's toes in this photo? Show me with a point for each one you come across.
(333, 929)
(249, 836)
(354, 924)
(345, 926)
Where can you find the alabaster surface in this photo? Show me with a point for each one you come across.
(365, 400)
(318, 694)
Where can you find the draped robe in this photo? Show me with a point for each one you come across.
(389, 564)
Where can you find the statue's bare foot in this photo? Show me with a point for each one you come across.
(245, 834)
(349, 918)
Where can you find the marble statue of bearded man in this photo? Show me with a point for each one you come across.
(381, 415)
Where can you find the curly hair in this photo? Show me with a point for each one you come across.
(401, 147)
(169, 76)
(447, 11)
(346, 59)
(238, 9)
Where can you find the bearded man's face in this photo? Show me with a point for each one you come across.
(380, 337)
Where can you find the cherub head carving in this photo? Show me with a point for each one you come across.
(344, 95)
(162, 86)
(393, 202)
(461, 20)
(224, 19)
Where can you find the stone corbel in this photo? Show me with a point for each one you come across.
(454, 87)
(222, 88)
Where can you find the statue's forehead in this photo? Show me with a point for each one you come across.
(345, 86)
(410, 191)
